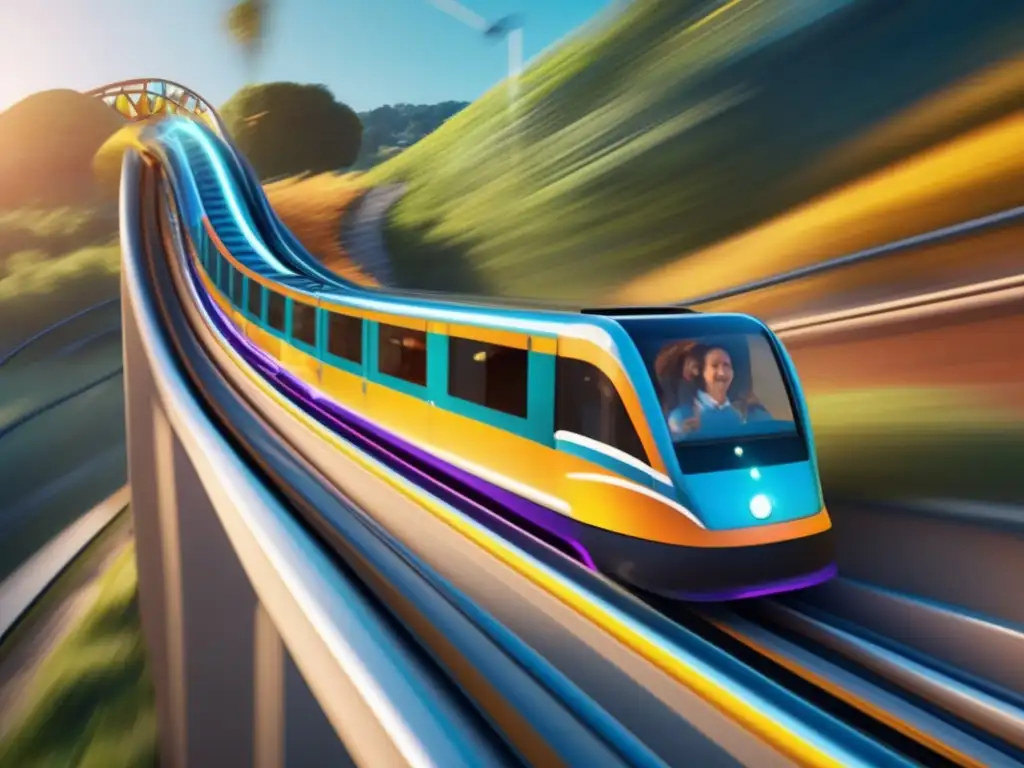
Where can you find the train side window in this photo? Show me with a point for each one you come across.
(224, 283)
(490, 375)
(587, 404)
(236, 288)
(402, 353)
(275, 311)
(345, 337)
(304, 323)
(224, 276)
(255, 302)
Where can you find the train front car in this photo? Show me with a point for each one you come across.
(738, 510)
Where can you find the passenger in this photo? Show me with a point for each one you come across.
(711, 407)
(682, 370)
(693, 363)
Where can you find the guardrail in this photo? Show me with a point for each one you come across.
(976, 296)
(933, 237)
(25, 418)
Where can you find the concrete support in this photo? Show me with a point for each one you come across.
(227, 691)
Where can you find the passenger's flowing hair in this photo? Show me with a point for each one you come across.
(668, 368)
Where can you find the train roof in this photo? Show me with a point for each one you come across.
(502, 314)
(639, 311)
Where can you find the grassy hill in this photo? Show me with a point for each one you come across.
(680, 125)
(47, 143)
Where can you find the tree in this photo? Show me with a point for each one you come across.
(246, 22)
(288, 128)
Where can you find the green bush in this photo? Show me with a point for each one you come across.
(92, 701)
(286, 129)
(37, 291)
(54, 232)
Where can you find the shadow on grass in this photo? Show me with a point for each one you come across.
(420, 262)
(92, 701)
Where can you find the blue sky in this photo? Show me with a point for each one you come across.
(369, 52)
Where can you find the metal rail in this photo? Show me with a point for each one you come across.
(20, 421)
(888, 249)
(25, 344)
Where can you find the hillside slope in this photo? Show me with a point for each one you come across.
(680, 125)
(47, 143)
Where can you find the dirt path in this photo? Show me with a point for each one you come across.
(362, 232)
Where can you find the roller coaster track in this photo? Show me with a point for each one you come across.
(149, 97)
(426, 631)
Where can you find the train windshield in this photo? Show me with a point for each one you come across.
(719, 381)
(717, 387)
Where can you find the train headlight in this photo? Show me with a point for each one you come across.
(760, 506)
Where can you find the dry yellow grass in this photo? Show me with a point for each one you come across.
(312, 207)
(966, 104)
(977, 173)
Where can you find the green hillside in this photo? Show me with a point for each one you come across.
(286, 129)
(679, 124)
(389, 129)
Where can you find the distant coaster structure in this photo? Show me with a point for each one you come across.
(149, 97)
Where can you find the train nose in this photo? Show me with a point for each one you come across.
(754, 496)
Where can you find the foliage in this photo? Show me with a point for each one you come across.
(92, 701)
(676, 126)
(54, 232)
(389, 129)
(38, 290)
(971, 176)
(286, 129)
(246, 23)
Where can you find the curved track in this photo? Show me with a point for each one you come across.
(144, 98)
(772, 683)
